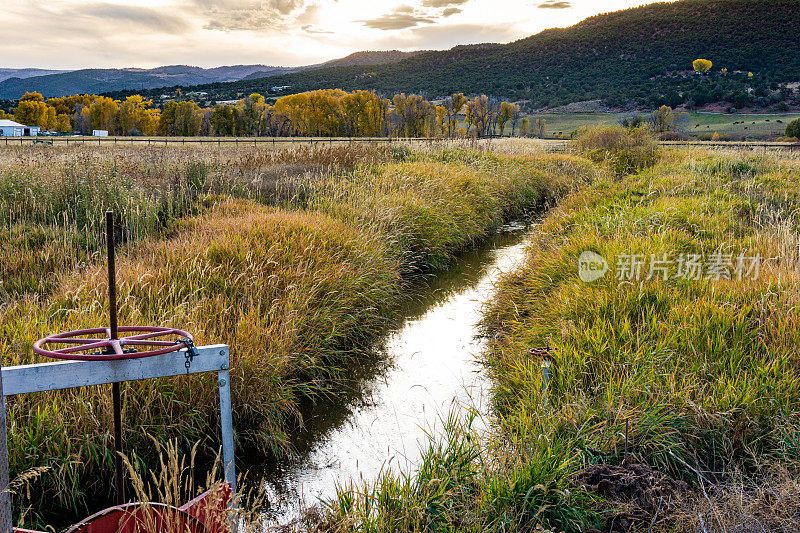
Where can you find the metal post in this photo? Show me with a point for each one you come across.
(115, 387)
(226, 425)
(6, 526)
(545, 374)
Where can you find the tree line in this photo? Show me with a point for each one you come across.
(322, 113)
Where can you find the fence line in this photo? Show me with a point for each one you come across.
(275, 141)
(219, 141)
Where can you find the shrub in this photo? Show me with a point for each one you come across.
(673, 136)
(625, 151)
(793, 129)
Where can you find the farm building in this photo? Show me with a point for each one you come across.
(9, 128)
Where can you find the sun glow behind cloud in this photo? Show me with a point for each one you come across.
(147, 33)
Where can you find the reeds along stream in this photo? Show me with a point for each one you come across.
(427, 367)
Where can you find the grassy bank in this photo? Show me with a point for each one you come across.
(298, 289)
(673, 403)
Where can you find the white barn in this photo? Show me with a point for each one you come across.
(9, 128)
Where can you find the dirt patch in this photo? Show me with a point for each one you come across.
(638, 493)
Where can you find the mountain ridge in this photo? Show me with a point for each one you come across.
(637, 56)
(52, 83)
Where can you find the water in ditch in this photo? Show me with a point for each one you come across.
(385, 417)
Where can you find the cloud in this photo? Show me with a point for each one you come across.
(555, 4)
(312, 30)
(397, 21)
(144, 17)
(247, 15)
(443, 3)
(450, 11)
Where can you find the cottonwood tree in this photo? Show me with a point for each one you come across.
(478, 114)
(507, 113)
(701, 66)
(32, 110)
(540, 124)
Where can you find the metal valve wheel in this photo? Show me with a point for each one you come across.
(156, 339)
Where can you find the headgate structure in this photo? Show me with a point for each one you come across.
(115, 360)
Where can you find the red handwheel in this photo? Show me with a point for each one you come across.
(142, 341)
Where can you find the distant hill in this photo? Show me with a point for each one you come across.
(15, 82)
(369, 58)
(636, 56)
(356, 58)
(104, 80)
(22, 73)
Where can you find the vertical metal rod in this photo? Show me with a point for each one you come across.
(6, 525)
(226, 426)
(119, 484)
(545, 374)
(112, 275)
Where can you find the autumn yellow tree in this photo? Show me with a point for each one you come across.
(701, 66)
(507, 113)
(134, 117)
(663, 119)
(478, 114)
(525, 127)
(32, 110)
(454, 105)
(540, 124)
(184, 119)
(415, 115)
(102, 114)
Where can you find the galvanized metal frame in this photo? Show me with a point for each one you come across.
(60, 375)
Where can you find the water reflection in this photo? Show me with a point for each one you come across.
(380, 420)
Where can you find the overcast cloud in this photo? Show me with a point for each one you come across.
(147, 33)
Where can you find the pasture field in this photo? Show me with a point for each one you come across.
(295, 258)
(738, 126)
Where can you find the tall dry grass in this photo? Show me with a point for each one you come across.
(299, 291)
(52, 200)
(699, 376)
(697, 379)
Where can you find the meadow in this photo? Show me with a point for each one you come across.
(734, 125)
(674, 395)
(673, 401)
(296, 258)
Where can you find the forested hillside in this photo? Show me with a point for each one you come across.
(641, 55)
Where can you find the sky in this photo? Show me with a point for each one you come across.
(72, 34)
